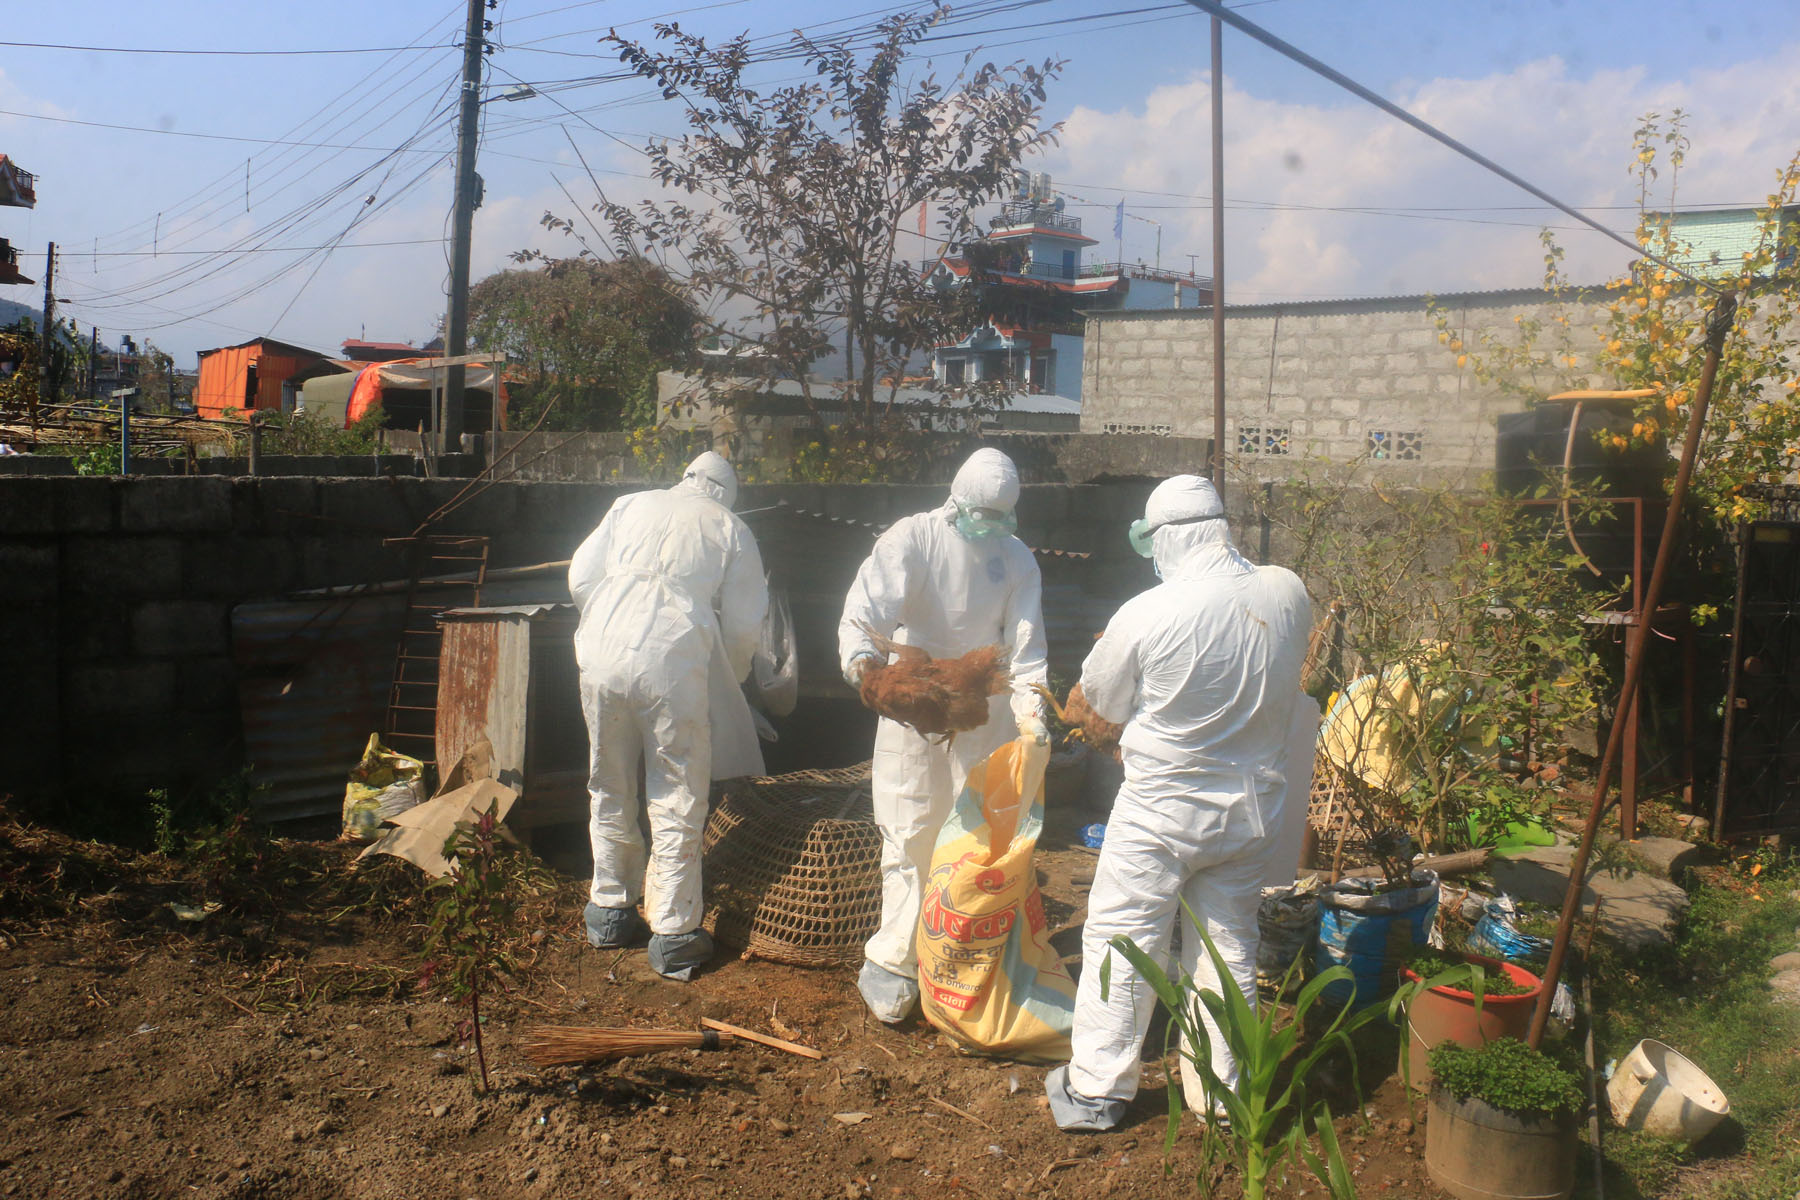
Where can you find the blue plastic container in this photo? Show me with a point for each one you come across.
(1373, 933)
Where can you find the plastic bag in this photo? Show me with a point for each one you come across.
(988, 976)
(775, 666)
(1496, 935)
(383, 785)
(1373, 932)
(1287, 923)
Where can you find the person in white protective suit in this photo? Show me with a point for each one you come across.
(1203, 671)
(948, 581)
(672, 596)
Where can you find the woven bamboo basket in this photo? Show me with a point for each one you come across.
(1329, 813)
(793, 868)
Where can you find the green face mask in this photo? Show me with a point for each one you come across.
(980, 524)
(1143, 534)
(1142, 537)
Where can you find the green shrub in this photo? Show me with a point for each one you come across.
(1508, 1075)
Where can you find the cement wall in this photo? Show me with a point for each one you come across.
(1315, 382)
(1065, 458)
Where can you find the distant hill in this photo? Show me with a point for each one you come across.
(12, 310)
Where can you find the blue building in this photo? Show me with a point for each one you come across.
(1035, 287)
(1713, 243)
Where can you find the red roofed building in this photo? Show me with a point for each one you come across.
(1035, 288)
(357, 350)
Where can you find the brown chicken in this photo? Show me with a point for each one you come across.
(1087, 724)
(939, 697)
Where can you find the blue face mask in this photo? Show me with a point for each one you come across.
(980, 524)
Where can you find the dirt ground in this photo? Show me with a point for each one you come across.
(289, 1054)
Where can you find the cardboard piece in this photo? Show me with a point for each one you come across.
(419, 833)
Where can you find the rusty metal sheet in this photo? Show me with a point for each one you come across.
(482, 676)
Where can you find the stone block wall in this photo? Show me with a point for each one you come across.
(1316, 382)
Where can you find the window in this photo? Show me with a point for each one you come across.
(953, 372)
(1395, 445)
(1262, 439)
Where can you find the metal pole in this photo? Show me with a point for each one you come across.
(254, 466)
(1717, 327)
(124, 435)
(456, 335)
(1218, 250)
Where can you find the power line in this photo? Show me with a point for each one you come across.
(359, 99)
(1216, 9)
(257, 250)
(224, 53)
(214, 137)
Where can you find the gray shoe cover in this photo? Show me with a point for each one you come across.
(1076, 1113)
(614, 928)
(678, 955)
(889, 996)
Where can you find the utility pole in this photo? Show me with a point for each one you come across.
(44, 396)
(1218, 249)
(456, 335)
(93, 371)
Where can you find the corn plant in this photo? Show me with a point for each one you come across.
(1271, 1121)
(467, 941)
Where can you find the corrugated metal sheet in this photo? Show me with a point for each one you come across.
(530, 612)
(219, 388)
(313, 677)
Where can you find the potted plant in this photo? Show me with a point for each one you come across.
(1502, 1123)
(1484, 1000)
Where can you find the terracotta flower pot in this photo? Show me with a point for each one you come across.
(1477, 1152)
(1448, 1015)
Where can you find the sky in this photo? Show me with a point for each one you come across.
(200, 200)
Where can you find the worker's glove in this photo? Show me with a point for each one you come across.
(853, 674)
(1033, 727)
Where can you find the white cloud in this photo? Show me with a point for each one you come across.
(1567, 133)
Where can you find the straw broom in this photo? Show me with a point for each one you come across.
(572, 1045)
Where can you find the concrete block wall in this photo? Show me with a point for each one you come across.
(1323, 376)
(117, 593)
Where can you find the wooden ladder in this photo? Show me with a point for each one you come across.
(446, 572)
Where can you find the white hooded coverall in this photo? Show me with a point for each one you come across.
(1204, 673)
(671, 591)
(926, 585)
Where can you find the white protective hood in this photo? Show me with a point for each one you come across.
(713, 474)
(987, 479)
